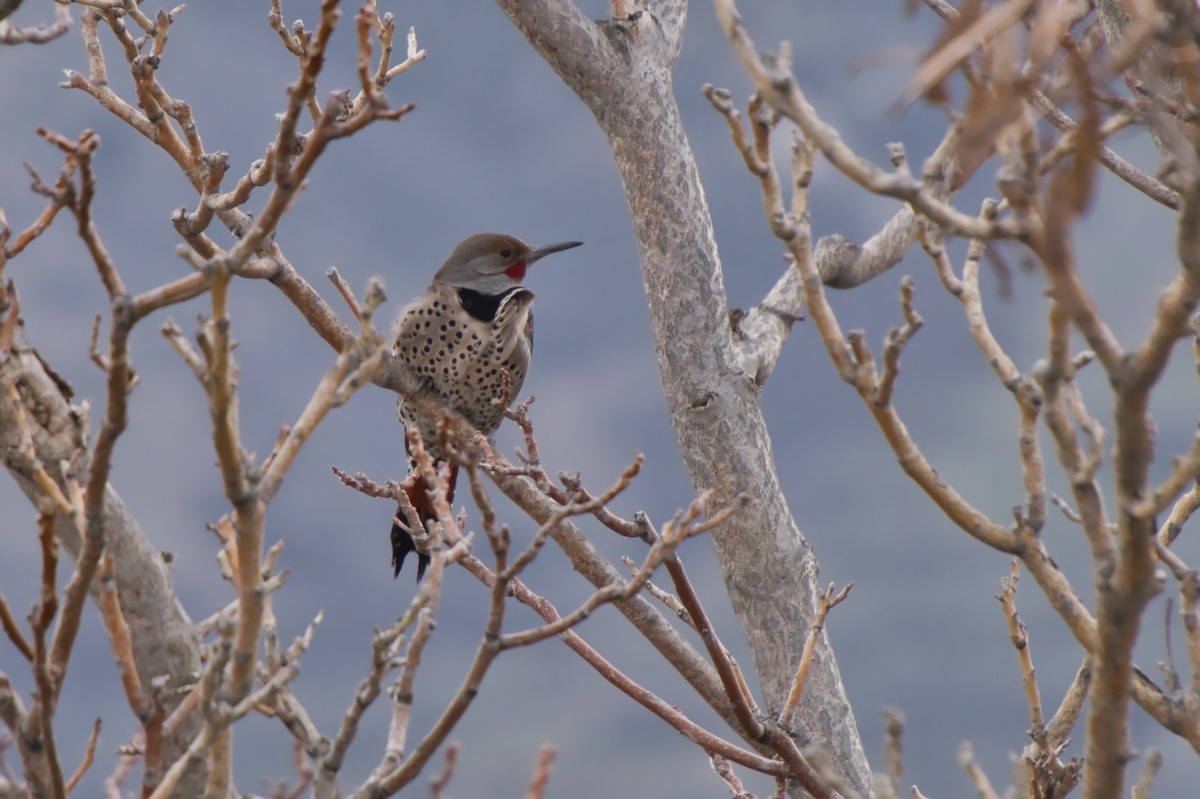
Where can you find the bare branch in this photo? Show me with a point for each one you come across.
(118, 632)
(438, 784)
(13, 631)
(89, 756)
(39, 34)
(541, 772)
(892, 748)
(829, 601)
(1058, 728)
(982, 785)
(1151, 763)
(667, 712)
(780, 89)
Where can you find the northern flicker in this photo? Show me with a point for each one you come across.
(470, 329)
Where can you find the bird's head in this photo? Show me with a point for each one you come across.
(493, 263)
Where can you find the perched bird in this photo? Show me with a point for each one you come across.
(470, 328)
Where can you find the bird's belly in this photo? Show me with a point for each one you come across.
(476, 388)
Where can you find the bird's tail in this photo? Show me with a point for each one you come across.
(402, 538)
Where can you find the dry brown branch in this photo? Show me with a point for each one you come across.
(347, 293)
(12, 709)
(191, 226)
(289, 174)
(89, 756)
(249, 509)
(854, 368)
(39, 748)
(352, 370)
(1054, 376)
(438, 784)
(209, 684)
(191, 356)
(368, 19)
(893, 748)
(11, 305)
(258, 175)
(1170, 491)
(119, 381)
(228, 614)
(829, 600)
(390, 781)
(112, 784)
(28, 452)
(1066, 509)
(304, 733)
(1019, 636)
(663, 550)
(294, 43)
(671, 715)
(960, 44)
(967, 292)
(724, 769)
(781, 91)
(1189, 611)
(264, 695)
(1046, 107)
(576, 508)
(541, 772)
(185, 146)
(172, 293)
(745, 710)
(760, 333)
(155, 734)
(152, 601)
(1174, 563)
(531, 458)
(37, 34)
(80, 204)
(1125, 561)
(641, 613)
(13, 631)
(1181, 511)
(895, 342)
(385, 648)
(670, 600)
(622, 527)
(1151, 763)
(200, 171)
(979, 780)
(35, 229)
(122, 646)
(397, 492)
(1068, 195)
(96, 84)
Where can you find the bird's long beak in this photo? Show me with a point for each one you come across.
(538, 253)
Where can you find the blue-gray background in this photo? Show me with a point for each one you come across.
(498, 143)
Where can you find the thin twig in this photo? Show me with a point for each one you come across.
(829, 600)
(89, 756)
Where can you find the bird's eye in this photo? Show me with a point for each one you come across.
(506, 253)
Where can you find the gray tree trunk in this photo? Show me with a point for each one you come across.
(621, 69)
(163, 637)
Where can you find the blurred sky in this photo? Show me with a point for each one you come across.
(499, 143)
